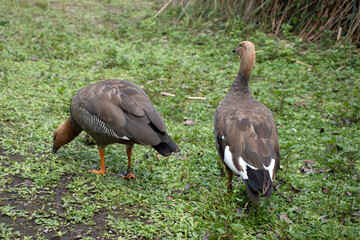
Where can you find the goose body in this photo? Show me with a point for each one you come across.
(245, 132)
(115, 111)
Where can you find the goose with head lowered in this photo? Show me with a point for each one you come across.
(115, 111)
(245, 132)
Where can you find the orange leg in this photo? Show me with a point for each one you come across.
(102, 163)
(129, 174)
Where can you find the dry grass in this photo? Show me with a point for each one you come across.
(309, 18)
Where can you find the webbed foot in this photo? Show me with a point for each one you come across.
(98, 171)
(127, 175)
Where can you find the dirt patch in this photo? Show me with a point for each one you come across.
(59, 190)
(30, 211)
(10, 157)
(16, 211)
(31, 216)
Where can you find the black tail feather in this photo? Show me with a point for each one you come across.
(253, 195)
(258, 181)
(166, 146)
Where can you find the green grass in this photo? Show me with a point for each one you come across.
(49, 49)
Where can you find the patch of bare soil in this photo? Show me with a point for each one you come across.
(29, 210)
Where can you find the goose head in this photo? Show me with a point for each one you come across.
(64, 134)
(246, 52)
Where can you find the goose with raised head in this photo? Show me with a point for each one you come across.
(115, 111)
(245, 132)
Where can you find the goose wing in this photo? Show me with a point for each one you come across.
(126, 109)
(247, 139)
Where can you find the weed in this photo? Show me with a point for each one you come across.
(49, 49)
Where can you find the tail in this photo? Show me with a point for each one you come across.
(166, 146)
(258, 181)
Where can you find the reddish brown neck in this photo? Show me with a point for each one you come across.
(67, 132)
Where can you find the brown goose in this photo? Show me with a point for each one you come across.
(115, 111)
(245, 132)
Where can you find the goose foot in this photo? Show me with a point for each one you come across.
(127, 175)
(102, 172)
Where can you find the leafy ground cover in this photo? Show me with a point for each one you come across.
(49, 49)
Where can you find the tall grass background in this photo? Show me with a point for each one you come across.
(311, 20)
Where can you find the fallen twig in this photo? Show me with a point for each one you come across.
(197, 98)
(167, 94)
(339, 35)
(341, 68)
(173, 95)
(163, 8)
(302, 63)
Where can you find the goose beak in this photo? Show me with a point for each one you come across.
(54, 149)
(234, 50)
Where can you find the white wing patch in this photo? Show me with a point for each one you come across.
(125, 138)
(223, 137)
(228, 158)
(270, 168)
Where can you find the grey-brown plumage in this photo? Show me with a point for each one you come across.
(115, 111)
(245, 132)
